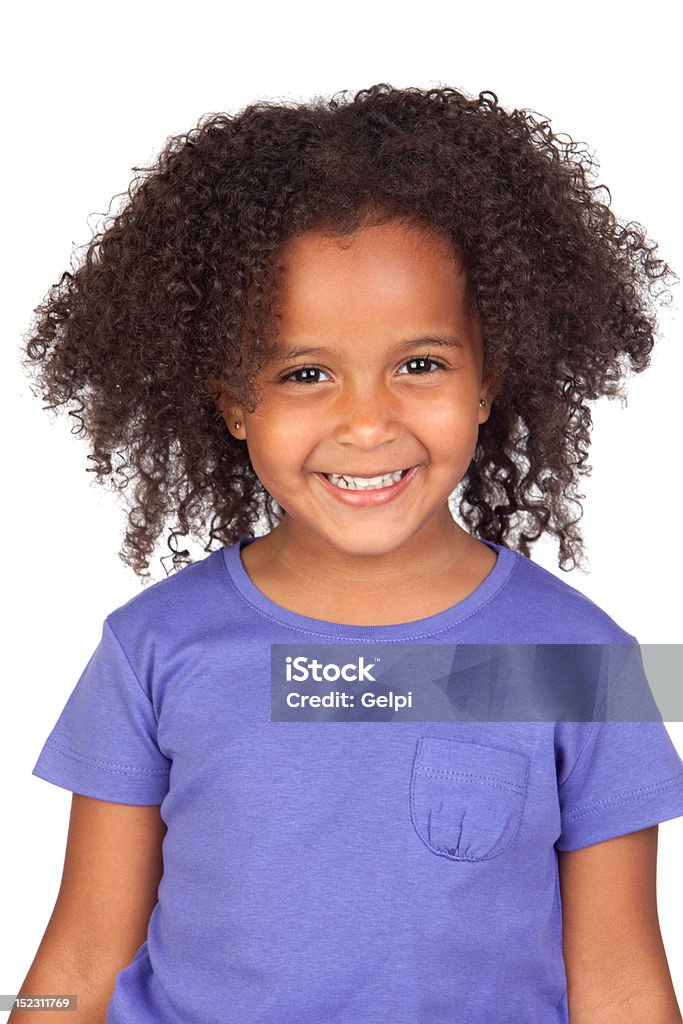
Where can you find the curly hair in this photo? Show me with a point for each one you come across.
(178, 289)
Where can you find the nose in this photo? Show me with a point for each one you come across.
(366, 416)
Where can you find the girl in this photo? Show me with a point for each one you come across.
(332, 317)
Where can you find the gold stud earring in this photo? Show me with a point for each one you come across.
(237, 424)
(482, 402)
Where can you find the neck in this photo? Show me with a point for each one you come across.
(306, 559)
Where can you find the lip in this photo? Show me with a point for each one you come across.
(369, 476)
(365, 499)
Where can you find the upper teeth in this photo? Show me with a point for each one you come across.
(362, 483)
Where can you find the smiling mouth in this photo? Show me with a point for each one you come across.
(349, 482)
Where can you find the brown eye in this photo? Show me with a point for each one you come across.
(302, 369)
(424, 360)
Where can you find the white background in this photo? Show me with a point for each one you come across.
(89, 92)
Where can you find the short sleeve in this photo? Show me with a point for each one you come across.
(104, 743)
(628, 775)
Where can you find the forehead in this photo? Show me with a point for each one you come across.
(390, 270)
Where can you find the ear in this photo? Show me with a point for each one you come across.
(489, 392)
(230, 412)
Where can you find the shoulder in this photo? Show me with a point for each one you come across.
(187, 601)
(539, 604)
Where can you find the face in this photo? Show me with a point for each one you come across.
(391, 380)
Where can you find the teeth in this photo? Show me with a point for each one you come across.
(360, 483)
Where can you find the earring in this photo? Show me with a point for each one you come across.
(237, 424)
(482, 402)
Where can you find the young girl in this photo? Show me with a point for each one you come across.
(334, 316)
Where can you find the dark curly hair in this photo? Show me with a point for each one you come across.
(178, 290)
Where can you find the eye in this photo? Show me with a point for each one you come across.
(424, 359)
(302, 369)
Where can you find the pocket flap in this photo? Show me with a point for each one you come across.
(496, 764)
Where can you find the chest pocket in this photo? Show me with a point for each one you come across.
(466, 799)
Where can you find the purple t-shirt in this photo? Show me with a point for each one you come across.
(347, 871)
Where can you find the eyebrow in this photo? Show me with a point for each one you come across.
(432, 340)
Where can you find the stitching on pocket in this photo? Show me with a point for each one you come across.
(451, 773)
(516, 789)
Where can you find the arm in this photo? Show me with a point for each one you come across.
(616, 965)
(112, 868)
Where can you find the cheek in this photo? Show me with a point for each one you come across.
(276, 442)
(452, 435)
(451, 418)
